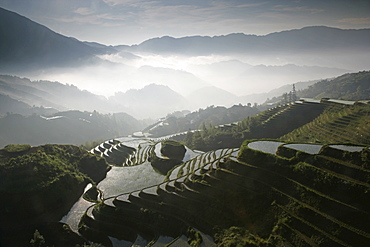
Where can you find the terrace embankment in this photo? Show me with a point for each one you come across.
(338, 123)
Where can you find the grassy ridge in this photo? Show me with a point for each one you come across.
(338, 123)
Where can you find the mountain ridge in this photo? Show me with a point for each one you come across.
(27, 45)
(321, 36)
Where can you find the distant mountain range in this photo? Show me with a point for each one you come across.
(308, 39)
(23, 96)
(151, 101)
(306, 54)
(27, 45)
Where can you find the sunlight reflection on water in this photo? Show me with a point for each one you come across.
(126, 179)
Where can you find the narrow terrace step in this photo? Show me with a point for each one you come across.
(238, 182)
(345, 178)
(302, 225)
(140, 241)
(179, 182)
(145, 223)
(197, 174)
(97, 151)
(150, 194)
(175, 173)
(170, 186)
(188, 192)
(106, 145)
(210, 167)
(178, 206)
(298, 238)
(343, 168)
(89, 232)
(163, 241)
(213, 193)
(100, 230)
(109, 202)
(329, 135)
(89, 212)
(101, 147)
(359, 217)
(318, 184)
(320, 219)
(124, 203)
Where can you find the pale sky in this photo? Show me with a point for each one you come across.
(114, 22)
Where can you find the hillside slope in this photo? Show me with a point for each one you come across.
(265, 193)
(70, 127)
(337, 124)
(351, 86)
(27, 45)
(281, 120)
(40, 185)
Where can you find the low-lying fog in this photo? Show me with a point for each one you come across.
(185, 74)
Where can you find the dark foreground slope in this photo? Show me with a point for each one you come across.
(38, 187)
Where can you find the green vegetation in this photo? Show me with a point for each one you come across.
(12, 148)
(173, 149)
(91, 144)
(337, 124)
(194, 237)
(211, 116)
(240, 237)
(38, 240)
(354, 86)
(271, 123)
(41, 184)
(173, 152)
(325, 122)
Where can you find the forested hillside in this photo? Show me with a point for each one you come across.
(40, 185)
(203, 118)
(349, 120)
(353, 86)
(69, 127)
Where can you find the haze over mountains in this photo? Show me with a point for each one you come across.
(224, 70)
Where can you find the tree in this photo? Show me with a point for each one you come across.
(285, 98)
(38, 240)
(294, 94)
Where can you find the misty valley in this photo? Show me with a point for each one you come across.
(231, 140)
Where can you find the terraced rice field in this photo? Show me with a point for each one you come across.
(345, 123)
(317, 194)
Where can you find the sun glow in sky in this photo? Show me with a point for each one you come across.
(114, 22)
